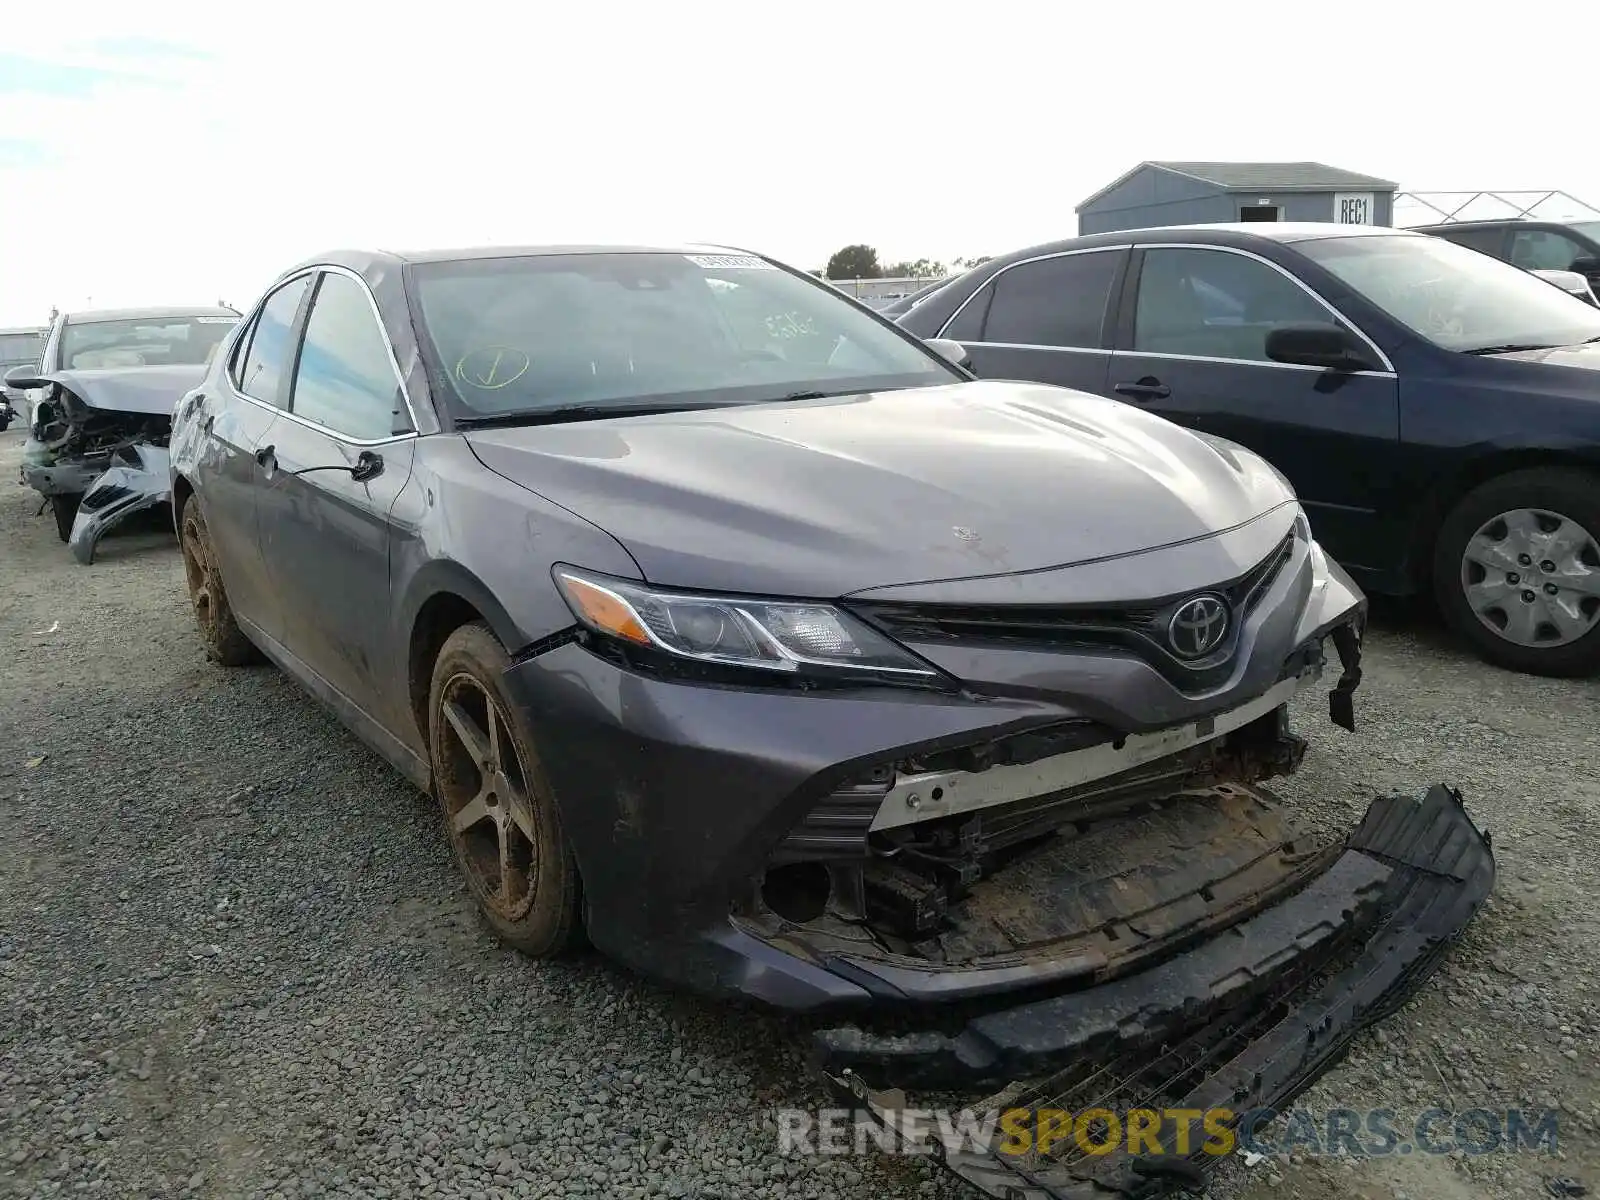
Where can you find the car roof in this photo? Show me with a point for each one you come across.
(363, 260)
(1503, 222)
(92, 316)
(1235, 233)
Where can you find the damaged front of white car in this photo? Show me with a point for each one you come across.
(102, 413)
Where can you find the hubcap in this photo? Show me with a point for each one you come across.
(1533, 577)
(486, 799)
(200, 574)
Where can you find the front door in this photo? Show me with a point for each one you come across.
(1191, 347)
(334, 464)
(1044, 320)
(234, 425)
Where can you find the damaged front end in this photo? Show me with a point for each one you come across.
(97, 451)
(1093, 921)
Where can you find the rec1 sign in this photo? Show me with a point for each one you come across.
(1352, 208)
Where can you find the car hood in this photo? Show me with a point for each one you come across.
(829, 497)
(150, 390)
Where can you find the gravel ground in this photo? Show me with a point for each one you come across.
(235, 959)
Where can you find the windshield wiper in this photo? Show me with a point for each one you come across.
(1511, 348)
(570, 412)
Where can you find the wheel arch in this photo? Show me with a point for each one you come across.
(182, 489)
(444, 597)
(1446, 493)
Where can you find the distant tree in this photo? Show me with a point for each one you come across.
(966, 264)
(922, 268)
(854, 262)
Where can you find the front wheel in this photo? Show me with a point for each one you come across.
(499, 813)
(1517, 571)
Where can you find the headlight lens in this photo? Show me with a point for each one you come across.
(790, 637)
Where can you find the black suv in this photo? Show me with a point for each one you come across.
(1531, 245)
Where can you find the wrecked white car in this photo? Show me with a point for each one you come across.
(102, 400)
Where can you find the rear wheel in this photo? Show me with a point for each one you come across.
(224, 641)
(1517, 571)
(499, 813)
(65, 511)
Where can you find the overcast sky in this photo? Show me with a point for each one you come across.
(158, 153)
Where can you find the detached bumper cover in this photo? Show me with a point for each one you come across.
(139, 478)
(1242, 1022)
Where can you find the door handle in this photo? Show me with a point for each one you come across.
(1148, 388)
(265, 456)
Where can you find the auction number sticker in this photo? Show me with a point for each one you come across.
(218, 320)
(715, 261)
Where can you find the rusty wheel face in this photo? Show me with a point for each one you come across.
(484, 790)
(199, 566)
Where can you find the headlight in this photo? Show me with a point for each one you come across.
(795, 638)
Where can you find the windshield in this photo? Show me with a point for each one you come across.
(525, 335)
(1455, 297)
(20, 347)
(144, 342)
(1589, 229)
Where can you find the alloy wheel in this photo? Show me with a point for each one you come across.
(484, 790)
(1532, 576)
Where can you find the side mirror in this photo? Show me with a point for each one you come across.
(1585, 265)
(1318, 345)
(952, 350)
(25, 377)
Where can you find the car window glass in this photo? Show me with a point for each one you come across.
(1543, 250)
(345, 380)
(1487, 241)
(527, 334)
(266, 363)
(969, 322)
(1454, 297)
(1215, 304)
(241, 350)
(1052, 301)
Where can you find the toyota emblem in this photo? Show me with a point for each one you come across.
(1198, 626)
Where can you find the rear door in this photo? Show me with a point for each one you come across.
(253, 392)
(1190, 345)
(324, 532)
(1043, 319)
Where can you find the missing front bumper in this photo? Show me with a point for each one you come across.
(139, 477)
(1242, 1022)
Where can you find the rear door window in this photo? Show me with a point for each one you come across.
(1059, 301)
(270, 345)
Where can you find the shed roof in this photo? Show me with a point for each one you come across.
(1259, 176)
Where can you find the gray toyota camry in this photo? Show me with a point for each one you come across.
(751, 637)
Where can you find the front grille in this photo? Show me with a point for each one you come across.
(1139, 629)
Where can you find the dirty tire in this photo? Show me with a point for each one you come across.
(499, 812)
(224, 641)
(65, 510)
(1567, 493)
